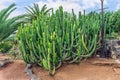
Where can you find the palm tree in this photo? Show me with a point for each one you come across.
(8, 25)
(34, 12)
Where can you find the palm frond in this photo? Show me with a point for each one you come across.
(34, 12)
(8, 26)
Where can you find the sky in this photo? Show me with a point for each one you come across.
(68, 5)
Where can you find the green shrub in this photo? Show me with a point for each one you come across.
(5, 46)
(62, 37)
(115, 21)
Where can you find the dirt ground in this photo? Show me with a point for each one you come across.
(83, 71)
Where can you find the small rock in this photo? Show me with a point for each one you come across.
(3, 62)
(29, 72)
(34, 77)
(29, 66)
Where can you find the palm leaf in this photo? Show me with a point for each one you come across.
(34, 12)
(8, 26)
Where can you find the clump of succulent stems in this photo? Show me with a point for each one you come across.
(60, 37)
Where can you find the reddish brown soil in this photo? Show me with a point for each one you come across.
(14, 71)
(83, 71)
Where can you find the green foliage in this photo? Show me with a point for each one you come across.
(112, 24)
(5, 46)
(14, 52)
(62, 37)
(34, 12)
(115, 21)
(8, 25)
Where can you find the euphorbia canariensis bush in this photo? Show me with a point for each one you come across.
(59, 38)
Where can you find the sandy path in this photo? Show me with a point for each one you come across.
(14, 71)
(83, 71)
